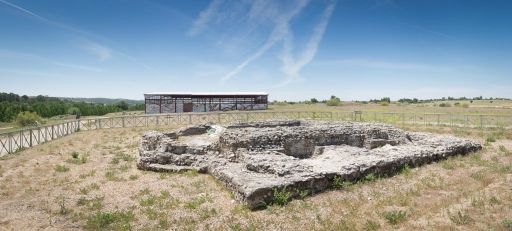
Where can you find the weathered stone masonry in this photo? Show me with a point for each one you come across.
(253, 159)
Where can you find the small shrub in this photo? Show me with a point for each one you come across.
(369, 178)
(490, 139)
(75, 160)
(112, 176)
(384, 103)
(506, 223)
(27, 118)
(281, 196)
(339, 183)
(405, 170)
(61, 168)
(465, 105)
(303, 194)
(460, 218)
(371, 225)
(133, 177)
(119, 220)
(89, 174)
(62, 204)
(394, 217)
(494, 201)
(333, 101)
(149, 201)
(445, 105)
(196, 202)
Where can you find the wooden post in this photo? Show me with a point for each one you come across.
(123, 121)
(53, 132)
(21, 139)
(30, 144)
(10, 143)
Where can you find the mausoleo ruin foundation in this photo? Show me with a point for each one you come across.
(256, 159)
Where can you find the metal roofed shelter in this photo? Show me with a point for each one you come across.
(172, 102)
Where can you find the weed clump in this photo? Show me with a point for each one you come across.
(281, 196)
(460, 218)
(118, 220)
(394, 217)
(61, 168)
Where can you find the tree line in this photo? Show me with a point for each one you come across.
(12, 104)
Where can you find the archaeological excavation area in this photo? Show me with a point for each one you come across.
(256, 160)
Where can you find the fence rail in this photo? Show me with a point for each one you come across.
(11, 142)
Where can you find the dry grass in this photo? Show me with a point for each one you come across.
(499, 107)
(108, 191)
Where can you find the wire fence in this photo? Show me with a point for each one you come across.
(15, 141)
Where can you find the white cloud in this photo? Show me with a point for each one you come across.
(378, 64)
(292, 66)
(249, 19)
(103, 53)
(26, 57)
(205, 17)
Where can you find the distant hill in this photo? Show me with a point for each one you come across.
(103, 100)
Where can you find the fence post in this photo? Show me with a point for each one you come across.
(10, 143)
(123, 121)
(52, 132)
(21, 138)
(78, 125)
(30, 131)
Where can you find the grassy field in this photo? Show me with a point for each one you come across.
(497, 107)
(89, 180)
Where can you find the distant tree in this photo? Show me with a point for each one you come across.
(313, 100)
(123, 105)
(333, 101)
(28, 119)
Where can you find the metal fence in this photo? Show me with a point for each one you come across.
(15, 141)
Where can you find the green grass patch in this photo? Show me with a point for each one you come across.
(281, 196)
(394, 217)
(61, 168)
(460, 218)
(118, 220)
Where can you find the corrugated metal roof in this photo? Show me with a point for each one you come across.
(206, 93)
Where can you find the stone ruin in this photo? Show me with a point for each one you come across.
(253, 160)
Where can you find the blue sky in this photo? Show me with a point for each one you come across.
(294, 50)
